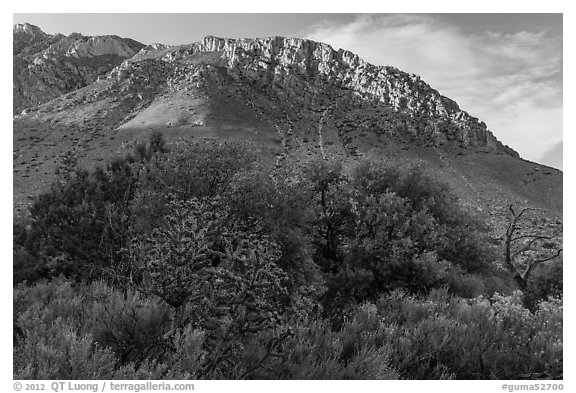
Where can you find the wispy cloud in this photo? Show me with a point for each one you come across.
(512, 81)
(554, 157)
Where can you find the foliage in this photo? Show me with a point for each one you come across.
(219, 279)
(496, 338)
(315, 351)
(79, 227)
(400, 335)
(382, 227)
(198, 262)
(528, 250)
(191, 170)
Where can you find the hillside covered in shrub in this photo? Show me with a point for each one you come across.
(195, 260)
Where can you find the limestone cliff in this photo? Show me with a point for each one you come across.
(47, 66)
(281, 63)
(296, 99)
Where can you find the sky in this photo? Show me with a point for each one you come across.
(505, 69)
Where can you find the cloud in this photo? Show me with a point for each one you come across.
(554, 156)
(512, 81)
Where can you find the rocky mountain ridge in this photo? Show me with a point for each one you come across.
(297, 99)
(46, 66)
(276, 62)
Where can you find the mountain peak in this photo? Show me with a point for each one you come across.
(47, 66)
(295, 97)
(79, 46)
(274, 62)
(28, 28)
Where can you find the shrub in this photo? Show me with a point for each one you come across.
(56, 351)
(276, 204)
(191, 170)
(127, 323)
(221, 280)
(496, 338)
(128, 336)
(315, 351)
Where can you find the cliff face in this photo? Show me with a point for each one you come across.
(47, 66)
(296, 99)
(28, 36)
(282, 63)
(78, 46)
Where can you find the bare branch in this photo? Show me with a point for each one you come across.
(532, 265)
(511, 243)
(535, 236)
(549, 258)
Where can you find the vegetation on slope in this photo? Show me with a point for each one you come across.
(198, 262)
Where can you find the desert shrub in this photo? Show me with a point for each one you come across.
(128, 335)
(382, 228)
(24, 262)
(546, 281)
(133, 326)
(129, 324)
(56, 351)
(462, 236)
(47, 301)
(276, 204)
(317, 351)
(79, 227)
(332, 208)
(191, 170)
(221, 280)
(183, 361)
(496, 338)
(25, 266)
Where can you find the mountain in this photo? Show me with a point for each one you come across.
(297, 99)
(46, 66)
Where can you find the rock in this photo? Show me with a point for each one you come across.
(274, 62)
(47, 66)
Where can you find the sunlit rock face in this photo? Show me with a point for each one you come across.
(47, 66)
(281, 63)
(79, 46)
(296, 99)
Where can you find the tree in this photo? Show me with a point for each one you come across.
(528, 248)
(221, 280)
(190, 170)
(332, 208)
(80, 226)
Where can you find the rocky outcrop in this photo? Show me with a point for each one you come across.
(78, 46)
(275, 63)
(47, 66)
(28, 38)
(28, 29)
(294, 70)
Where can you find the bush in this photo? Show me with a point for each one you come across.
(80, 226)
(56, 351)
(127, 323)
(221, 280)
(383, 228)
(496, 338)
(200, 264)
(315, 351)
(191, 170)
(276, 205)
(128, 336)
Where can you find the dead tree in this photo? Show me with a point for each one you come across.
(519, 242)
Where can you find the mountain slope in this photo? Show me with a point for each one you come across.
(298, 99)
(46, 66)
